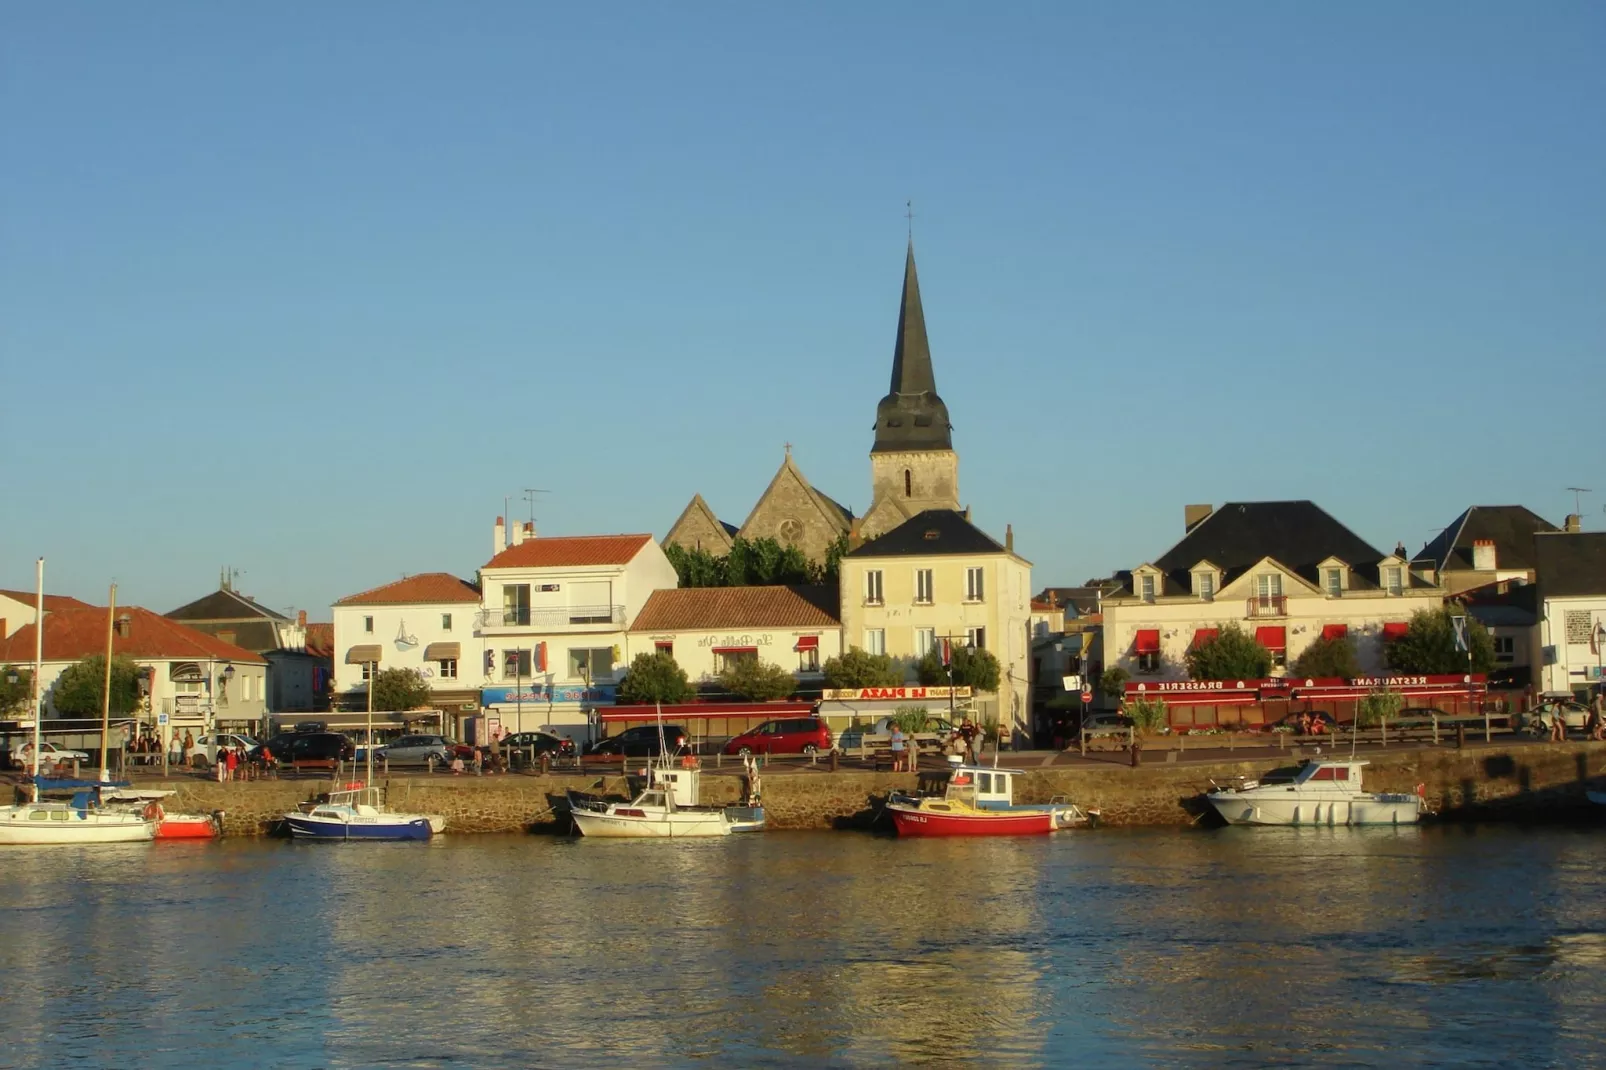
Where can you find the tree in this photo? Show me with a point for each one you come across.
(831, 570)
(1428, 645)
(696, 568)
(14, 698)
(757, 680)
(912, 719)
(976, 669)
(399, 689)
(858, 669)
(1231, 654)
(1329, 657)
(1378, 706)
(753, 562)
(655, 677)
(80, 687)
(1113, 682)
(1149, 715)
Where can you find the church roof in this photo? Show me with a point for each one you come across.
(933, 533)
(912, 416)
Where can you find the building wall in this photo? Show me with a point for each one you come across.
(790, 514)
(421, 622)
(933, 484)
(14, 615)
(696, 530)
(1561, 652)
(188, 706)
(1004, 612)
(693, 649)
(1178, 617)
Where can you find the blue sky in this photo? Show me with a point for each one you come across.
(307, 288)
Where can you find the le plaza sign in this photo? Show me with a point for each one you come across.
(848, 694)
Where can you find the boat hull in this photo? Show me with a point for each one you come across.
(188, 827)
(919, 821)
(1242, 808)
(306, 827)
(74, 831)
(681, 824)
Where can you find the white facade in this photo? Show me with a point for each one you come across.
(1570, 643)
(407, 634)
(701, 651)
(191, 695)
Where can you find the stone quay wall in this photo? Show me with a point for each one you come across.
(1527, 782)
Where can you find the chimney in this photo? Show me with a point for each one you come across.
(529, 529)
(1483, 555)
(1574, 523)
(125, 625)
(498, 537)
(1399, 549)
(1009, 537)
(301, 619)
(518, 534)
(855, 540)
(1194, 515)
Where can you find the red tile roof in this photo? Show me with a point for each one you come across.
(71, 634)
(738, 607)
(52, 601)
(321, 640)
(424, 587)
(545, 552)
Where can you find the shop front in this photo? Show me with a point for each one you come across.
(1250, 705)
(565, 710)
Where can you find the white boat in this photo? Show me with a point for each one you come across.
(979, 800)
(170, 824)
(667, 809)
(81, 820)
(1322, 791)
(360, 814)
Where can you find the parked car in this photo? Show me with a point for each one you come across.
(794, 735)
(1105, 721)
(520, 743)
(206, 746)
(937, 734)
(311, 747)
(415, 750)
(1575, 715)
(49, 754)
(641, 741)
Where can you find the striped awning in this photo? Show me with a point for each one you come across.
(362, 655)
(443, 651)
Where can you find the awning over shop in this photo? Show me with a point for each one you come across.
(1202, 636)
(1272, 637)
(1334, 631)
(443, 651)
(807, 642)
(697, 711)
(1395, 629)
(185, 672)
(1147, 641)
(362, 655)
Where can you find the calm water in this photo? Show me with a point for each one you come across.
(1230, 948)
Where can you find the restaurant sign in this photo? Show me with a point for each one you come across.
(848, 694)
(509, 696)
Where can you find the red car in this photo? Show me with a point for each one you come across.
(795, 735)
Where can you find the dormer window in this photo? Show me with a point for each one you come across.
(1146, 588)
(1333, 579)
(1205, 584)
(1393, 579)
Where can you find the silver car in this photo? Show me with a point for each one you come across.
(414, 750)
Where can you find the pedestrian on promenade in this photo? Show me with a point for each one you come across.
(1558, 724)
(1597, 714)
(175, 752)
(220, 766)
(897, 748)
(189, 747)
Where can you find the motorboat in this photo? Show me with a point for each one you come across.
(170, 825)
(980, 801)
(359, 813)
(667, 808)
(81, 819)
(1321, 791)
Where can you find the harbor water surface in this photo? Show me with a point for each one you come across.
(1463, 945)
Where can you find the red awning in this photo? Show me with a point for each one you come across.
(1272, 637)
(1334, 631)
(1147, 641)
(1395, 629)
(1202, 636)
(807, 642)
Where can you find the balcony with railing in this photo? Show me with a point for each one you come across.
(1267, 605)
(556, 618)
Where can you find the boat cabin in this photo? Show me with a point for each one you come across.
(983, 788)
(680, 784)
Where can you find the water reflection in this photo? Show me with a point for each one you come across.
(1237, 947)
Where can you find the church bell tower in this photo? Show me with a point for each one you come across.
(913, 466)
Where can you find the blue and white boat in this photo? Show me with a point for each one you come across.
(360, 814)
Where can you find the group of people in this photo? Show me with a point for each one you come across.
(1310, 724)
(965, 741)
(1594, 722)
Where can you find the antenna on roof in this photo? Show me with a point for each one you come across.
(529, 496)
(1578, 493)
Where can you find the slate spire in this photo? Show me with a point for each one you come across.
(912, 416)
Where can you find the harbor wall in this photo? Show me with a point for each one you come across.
(1528, 782)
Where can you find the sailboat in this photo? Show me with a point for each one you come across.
(358, 812)
(81, 819)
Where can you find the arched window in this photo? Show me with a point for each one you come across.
(908, 484)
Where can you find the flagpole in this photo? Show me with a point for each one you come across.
(106, 693)
(38, 664)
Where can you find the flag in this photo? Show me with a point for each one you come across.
(1460, 633)
(947, 651)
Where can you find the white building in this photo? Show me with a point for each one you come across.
(554, 617)
(426, 623)
(190, 681)
(708, 629)
(1570, 639)
(17, 609)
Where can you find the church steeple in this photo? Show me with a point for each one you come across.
(912, 416)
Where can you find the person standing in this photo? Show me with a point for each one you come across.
(189, 746)
(1558, 723)
(897, 745)
(1597, 714)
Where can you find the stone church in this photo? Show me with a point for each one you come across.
(913, 466)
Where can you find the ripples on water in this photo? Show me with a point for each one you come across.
(1236, 947)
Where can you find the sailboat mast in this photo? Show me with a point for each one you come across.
(106, 694)
(373, 672)
(38, 662)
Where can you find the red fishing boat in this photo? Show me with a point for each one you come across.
(979, 801)
(175, 826)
